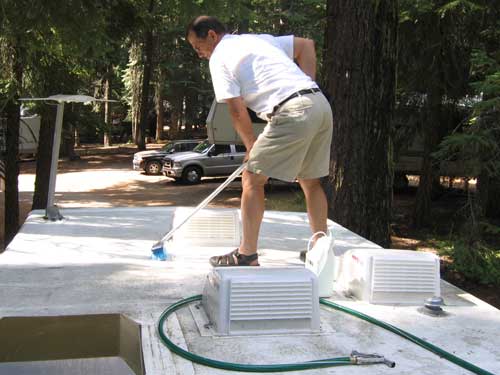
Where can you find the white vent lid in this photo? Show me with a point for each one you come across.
(258, 300)
(208, 227)
(393, 253)
(390, 275)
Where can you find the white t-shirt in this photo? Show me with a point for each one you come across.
(259, 68)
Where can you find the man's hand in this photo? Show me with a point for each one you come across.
(247, 156)
(241, 122)
(304, 53)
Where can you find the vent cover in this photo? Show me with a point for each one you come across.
(254, 300)
(207, 227)
(391, 276)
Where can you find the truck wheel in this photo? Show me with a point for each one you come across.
(192, 175)
(153, 167)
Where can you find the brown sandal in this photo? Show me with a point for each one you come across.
(233, 259)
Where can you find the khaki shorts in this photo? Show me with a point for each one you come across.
(296, 141)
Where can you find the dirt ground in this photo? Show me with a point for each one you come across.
(107, 180)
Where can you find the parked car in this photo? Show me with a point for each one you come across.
(151, 161)
(205, 160)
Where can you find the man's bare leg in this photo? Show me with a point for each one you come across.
(317, 205)
(252, 210)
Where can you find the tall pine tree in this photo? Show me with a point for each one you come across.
(360, 71)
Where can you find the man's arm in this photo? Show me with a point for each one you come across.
(241, 121)
(304, 53)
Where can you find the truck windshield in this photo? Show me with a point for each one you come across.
(169, 147)
(202, 147)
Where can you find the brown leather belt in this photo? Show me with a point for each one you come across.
(294, 95)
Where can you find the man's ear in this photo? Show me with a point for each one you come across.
(212, 34)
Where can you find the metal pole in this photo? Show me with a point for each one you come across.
(51, 211)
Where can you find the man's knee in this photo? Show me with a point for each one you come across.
(310, 184)
(253, 180)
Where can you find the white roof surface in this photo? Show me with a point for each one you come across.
(98, 261)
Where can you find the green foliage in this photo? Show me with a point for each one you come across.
(71, 44)
(478, 150)
(476, 261)
(450, 56)
(490, 229)
(90, 123)
(459, 6)
(479, 144)
(486, 69)
(435, 38)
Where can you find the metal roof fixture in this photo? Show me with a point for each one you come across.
(52, 211)
(432, 306)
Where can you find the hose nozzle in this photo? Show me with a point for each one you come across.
(370, 359)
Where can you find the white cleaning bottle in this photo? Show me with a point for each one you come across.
(321, 261)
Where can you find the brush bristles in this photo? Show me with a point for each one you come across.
(157, 252)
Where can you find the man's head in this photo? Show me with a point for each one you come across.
(204, 33)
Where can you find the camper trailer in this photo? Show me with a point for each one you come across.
(220, 129)
(29, 131)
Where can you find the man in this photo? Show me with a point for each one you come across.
(258, 72)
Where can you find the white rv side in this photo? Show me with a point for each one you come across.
(29, 132)
(220, 127)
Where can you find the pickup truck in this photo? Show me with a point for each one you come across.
(206, 159)
(151, 161)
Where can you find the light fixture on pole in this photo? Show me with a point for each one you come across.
(52, 211)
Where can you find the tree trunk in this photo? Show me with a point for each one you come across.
(487, 189)
(492, 208)
(136, 84)
(284, 24)
(160, 109)
(244, 21)
(107, 111)
(76, 137)
(146, 77)
(360, 64)
(428, 173)
(176, 116)
(11, 207)
(174, 123)
(43, 159)
(68, 143)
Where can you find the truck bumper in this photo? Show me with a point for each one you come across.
(138, 166)
(172, 172)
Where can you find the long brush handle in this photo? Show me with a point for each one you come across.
(205, 202)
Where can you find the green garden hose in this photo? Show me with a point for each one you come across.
(341, 361)
(329, 362)
(424, 344)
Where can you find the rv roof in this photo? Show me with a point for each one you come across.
(97, 261)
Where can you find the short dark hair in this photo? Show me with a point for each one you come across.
(202, 24)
